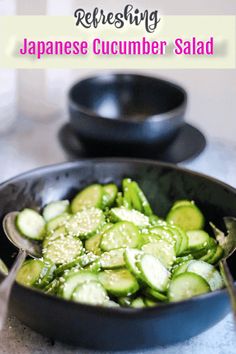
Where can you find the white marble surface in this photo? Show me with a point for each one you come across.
(33, 144)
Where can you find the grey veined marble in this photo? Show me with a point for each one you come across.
(33, 144)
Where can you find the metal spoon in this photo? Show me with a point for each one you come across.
(26, 247)
(228, 243)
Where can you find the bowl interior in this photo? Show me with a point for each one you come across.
(128, 97)
(162, 183)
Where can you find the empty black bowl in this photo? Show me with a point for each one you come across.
(117, 328)
(126, 114)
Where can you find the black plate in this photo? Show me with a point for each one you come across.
(189, 143)
(117, 328)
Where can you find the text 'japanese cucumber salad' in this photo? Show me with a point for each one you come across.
(106, 247)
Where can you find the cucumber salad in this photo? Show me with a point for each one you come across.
(106, 247)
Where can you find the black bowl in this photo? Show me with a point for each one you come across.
(117, 328)
(129, 115)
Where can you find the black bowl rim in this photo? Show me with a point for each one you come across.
(155, 118)
(120, 311)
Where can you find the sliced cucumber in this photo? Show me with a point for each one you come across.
(187, 285)
(74, 279)
(164, 233)
(112, 259)
(85, 223)
(109, 195)
(216, 257)
(145, 206)
(89, 197)
(46, 275)
(119, 199)
(125, 301)
(153, 272)
(154, 220)
(161, 249)
(122, 234)
(131, 256)
(30, 272)
(181, 268)
(127, 202)
(92, 244)
(60, 232)
(31, 224)
(134, 216)
(188, 217)
(54, 209)
(135, 200)
(52, 287)
(156, 295)
(91, 293)
(177, 236)
(78, 263)
(197, 240)
(150, 302)
(110, 303)
(208, 272)
(183, 259)
(183, 202)
(119, 282)
(56, 222)
(63, 249)
(3, 267)
(138, 303)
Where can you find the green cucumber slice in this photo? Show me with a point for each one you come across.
(57, 222)
(122, 234)
(208, 272)
(60, 232)
(112, 259)
(85, 223)
(182, 202)
(161, 249)
(145, 206)
(110, 303)
(219, 253)
(3, 267)
(181, 268)
(138, 303)
(156, 295)
(153, 272)
(30, 272)
(91, 293)
(89, 197)
(73, 279)
(197, 240)
(127, 202)
(164, 233)
(150, 303)
(52, 287)
(119, 282)
(63, 249)
(92, 244)
(134, 216)
(78, 263)
(183, 259)
(187, 285)
(54, 209)
(188, 217)
(31, 224)
(131, 255)
(46, 275)
(109, 195)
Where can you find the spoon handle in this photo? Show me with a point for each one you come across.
(6, 285)
(229, 285)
